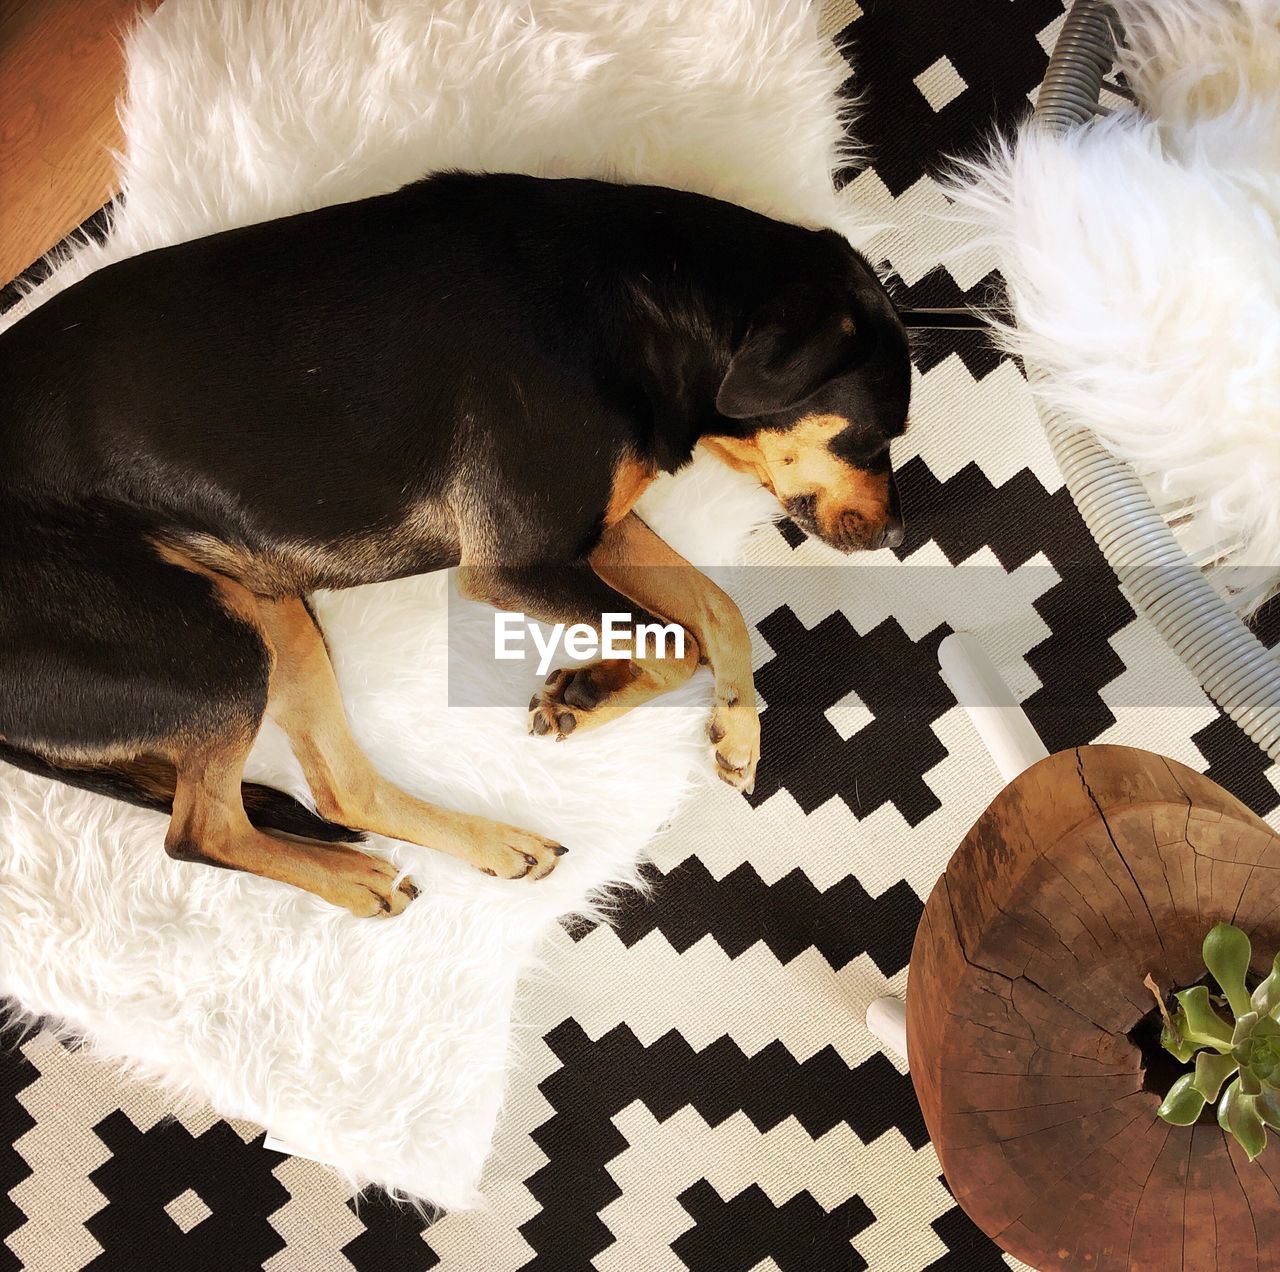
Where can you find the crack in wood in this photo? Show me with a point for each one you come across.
(1142, 1192)
(1106, 825)
(1022, 976)
(1245, 1193)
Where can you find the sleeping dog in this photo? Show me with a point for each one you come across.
(476, 371)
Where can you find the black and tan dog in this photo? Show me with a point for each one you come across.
(482, 371)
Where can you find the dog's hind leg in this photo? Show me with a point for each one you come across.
(127, 669)
(209, 825)
(305, 702)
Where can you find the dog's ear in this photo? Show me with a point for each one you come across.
(794, 345)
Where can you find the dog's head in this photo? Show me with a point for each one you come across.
(816, 389)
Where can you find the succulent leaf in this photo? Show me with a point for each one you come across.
(1226, 954)
(1268, 1106)
(1266, 998)
(1225, 1102)
(1246, 1125)
(1198, 1022)
(1236, 1060)
(1183, 1104)
(1212, 1070)
(1244, 1027)
(1182, 1049)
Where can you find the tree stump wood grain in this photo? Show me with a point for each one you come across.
(1089, 871)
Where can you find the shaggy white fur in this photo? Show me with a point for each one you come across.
(1142, 254)
(382, 1046)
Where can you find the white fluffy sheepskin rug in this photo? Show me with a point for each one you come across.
(1142, 254)
(382, 1047)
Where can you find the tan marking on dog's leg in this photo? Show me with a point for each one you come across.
(641, 566)
(306, 703)
(631, 479)
(209, 825)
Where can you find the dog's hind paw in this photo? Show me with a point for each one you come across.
(509, 853)
(366, 885)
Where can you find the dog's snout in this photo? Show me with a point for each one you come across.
(893, 533)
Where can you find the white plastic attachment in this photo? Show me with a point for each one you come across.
(887, 1019)
(1001, 724)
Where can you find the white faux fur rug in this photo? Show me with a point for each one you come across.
(382, 1047)
(1142, 255)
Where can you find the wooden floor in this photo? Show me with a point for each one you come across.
(61, 70)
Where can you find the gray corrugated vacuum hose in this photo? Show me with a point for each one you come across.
(1236, 669)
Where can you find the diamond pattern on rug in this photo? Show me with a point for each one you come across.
(992, 48)
(149, 1171)
(789, 916)
(187, 1210)
(696, 1088)
(940, 83)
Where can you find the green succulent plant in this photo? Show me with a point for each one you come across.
(1237, 1062)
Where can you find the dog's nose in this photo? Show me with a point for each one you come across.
(893, 533)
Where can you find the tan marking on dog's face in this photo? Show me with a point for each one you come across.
(631, 479)
(846, 506)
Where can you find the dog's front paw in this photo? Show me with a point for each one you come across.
(574, 696)
(734, 731)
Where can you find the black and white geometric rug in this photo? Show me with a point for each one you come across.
(697, 1089)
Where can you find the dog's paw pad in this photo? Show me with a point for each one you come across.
(567, 696)
(548, 713)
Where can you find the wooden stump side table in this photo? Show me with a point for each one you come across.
(1090, 870)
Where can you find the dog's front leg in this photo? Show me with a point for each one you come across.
(638, 668)
(639, 564)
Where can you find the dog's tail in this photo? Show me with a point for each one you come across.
(149, 782)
